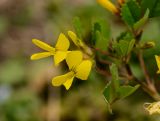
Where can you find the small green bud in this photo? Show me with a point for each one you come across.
(147, 45)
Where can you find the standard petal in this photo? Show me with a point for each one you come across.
(37, 56)
(59, 80)
(74, 58)
(59, 56)
(43, 45)
(75, 39)
(62, 43)
(83, 70)
(68, 83)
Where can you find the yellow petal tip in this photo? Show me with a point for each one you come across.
(34, 40)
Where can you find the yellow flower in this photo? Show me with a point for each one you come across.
(152, 108)
(59, 52)
(108, 5)
(158, 63)
(78, 67)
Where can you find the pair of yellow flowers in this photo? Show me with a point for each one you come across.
(78, 67)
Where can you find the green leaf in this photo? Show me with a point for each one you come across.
(125, 91)
(12, 71)
(109, 96)
(130, 12)
(78, 27)
(115, 77)
(100, 34)
(124, 47)
(123, 44)
(109, 93)
(131, 45)
(110, 90)
(125, 36)
(142, 21)
(113, 91)
(134, 9)
(153, 6)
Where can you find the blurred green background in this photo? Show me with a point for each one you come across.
(26, 93)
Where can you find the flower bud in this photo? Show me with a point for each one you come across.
(147, 45)
(108, 5)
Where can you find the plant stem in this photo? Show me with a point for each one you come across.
(148, 88)
(142, 64)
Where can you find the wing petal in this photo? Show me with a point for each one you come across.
(74, 58)
(68, 83)
(37, 56)
(59, 80)
(84, 69)
(62, 43)
(43, 45)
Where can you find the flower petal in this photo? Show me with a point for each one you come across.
(152, 108)
(59, 80)
(74, 58)
(62, 43)
(37, 56)
(75, 39)
(68, 83)
(158, 63)
(108, 5)
(43, 45)
(59, 56)
(84, 69)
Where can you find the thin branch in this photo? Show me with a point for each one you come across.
(103, 52)
(102, 72)
(143, 66)
(104, 61)
(149, 88)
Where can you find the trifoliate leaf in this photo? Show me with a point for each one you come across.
(130, 12)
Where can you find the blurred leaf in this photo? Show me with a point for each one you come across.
(135, 9)
(101, 34)
(22, 17)
(109, 93)
(124, 47)
(3, 25)
(22, 106)
(111, 88)
(11, 72)
(152, 5)
(131, 45)
(125, 91)
(130, 12)
(115, 77)
(78, 27)
(125, 36)
(142, 21)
